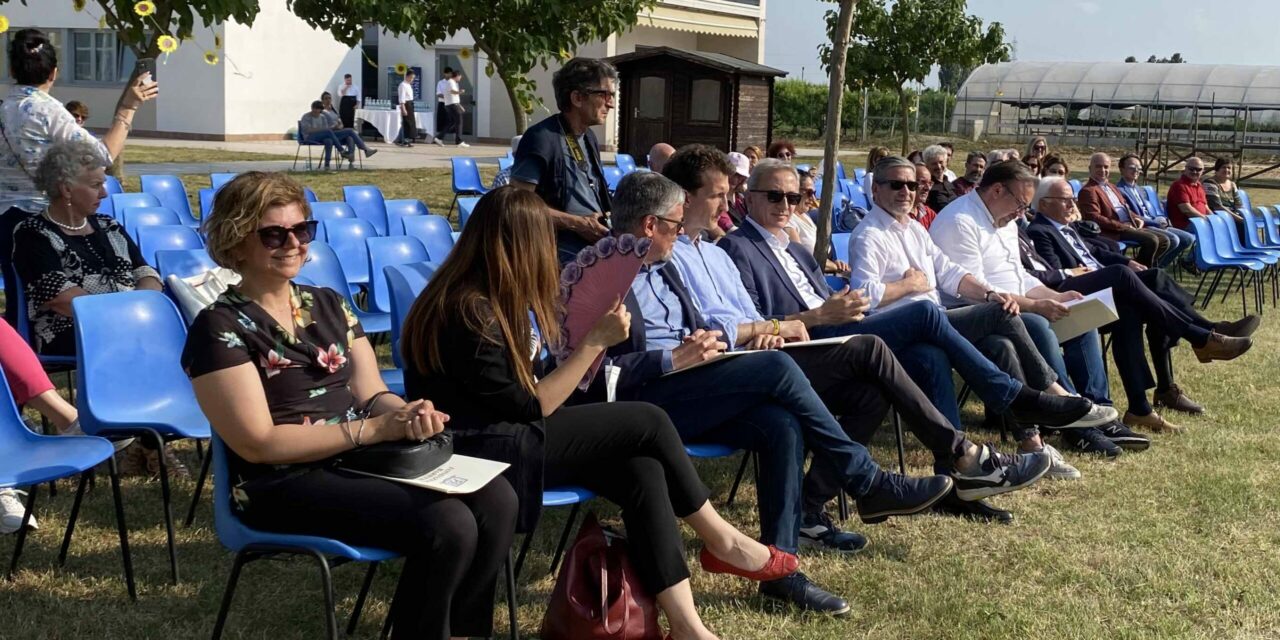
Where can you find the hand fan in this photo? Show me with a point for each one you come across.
(600, 274)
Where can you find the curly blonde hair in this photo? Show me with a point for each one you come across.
(239, 206)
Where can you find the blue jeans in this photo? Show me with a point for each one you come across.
(762, 402)
(928, 347)
(322, 137)
(1081, 357)
(1179, 242)
(350, 139)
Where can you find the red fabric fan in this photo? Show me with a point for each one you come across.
(600, 274)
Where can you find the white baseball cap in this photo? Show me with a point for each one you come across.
(741, 165)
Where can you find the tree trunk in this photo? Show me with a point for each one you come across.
(500, 70)
(904, 106)
(831, 148)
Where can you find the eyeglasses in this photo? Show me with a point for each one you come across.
(608, 95)
(808, 193)
(1195, 169)
(678, 223)
(784, 154)
(1022, 206)
(1063, 199)
(276, 236)
(897, 185)
(1039, 147)
(775, 196)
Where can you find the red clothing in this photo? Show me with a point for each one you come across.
(962, 185)
(924, 215)
(22, 370)
(1185, 191)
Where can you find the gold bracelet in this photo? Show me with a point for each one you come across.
(360, 432)
(777, 327)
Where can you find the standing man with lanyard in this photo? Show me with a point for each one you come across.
(348, 100)
(409, 123)
(559, 158)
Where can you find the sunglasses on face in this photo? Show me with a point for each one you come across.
(897, 185)
(808, 193)
(276, 236)
(775, 196)
(1039, 147)
(1195, 169)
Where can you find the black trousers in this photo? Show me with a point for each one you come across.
(347, 111)
(859, 381)
(452, 123)
(453, 545)
(630, 454)
(9, 221)
(409, 123)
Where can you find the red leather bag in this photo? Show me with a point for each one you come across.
(597, 595)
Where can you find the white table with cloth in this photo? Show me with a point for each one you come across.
(387, 122)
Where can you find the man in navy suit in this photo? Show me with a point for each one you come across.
(1063, 261)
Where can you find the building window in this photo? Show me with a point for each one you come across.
(652, 98)
(99, 57)
(704, 101)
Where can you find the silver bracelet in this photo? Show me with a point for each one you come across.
(359, 432)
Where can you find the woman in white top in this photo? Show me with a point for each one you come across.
(804, 230)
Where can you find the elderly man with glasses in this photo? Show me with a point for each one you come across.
(1135, 199)
(1186, 199)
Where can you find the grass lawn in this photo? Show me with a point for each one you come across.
(1182, 541)
(148, 154)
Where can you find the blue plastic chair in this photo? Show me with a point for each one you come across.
(1245, 203)
(840, 174)
(183, 263)
(1228, 241)
(206, 202)
(1075, 186)
(384, 252)
(433, 232)
(557, 497)
(131, 382)
(50, 363)
(135, 218)
(505, 163)
(216, 180)
(1153, 199)
(171, 193)
(113, 186)
(347, 238)
(1270, 224)
(169, 236)
(612, 176)
(465, 207)
(1256, 223)
(626, 162)
(400, 210)
(369, 205)
(466, 179)
(302, 142)
(1210, 260)
(859, 174)
(405, 282)
(326, 211)
(28, 460)
(105, 207)
(323, 268)
(840, 242)
(122, 201)
(251, 544)
(311, 195)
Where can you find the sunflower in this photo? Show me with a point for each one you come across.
(78, 5)
(401, 68)
(102, 22)
(4, 24)
(167, 43)
(144, 8)
(211, 58)
(465, 54)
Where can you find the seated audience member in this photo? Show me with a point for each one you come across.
(942, 193)
(783, 150)
(874, 155)
(70, 251)
(1037, 150)
(915, 157)
(858, 380)
(316, 128)
(326, 103)
(1220, 192)
(1187, 198)
(559, 158)
(786, 284)
(736, 209)
(995, 156)
(974, 164)
(753, 154)
(1101, 202)
(347, 137)
(503, 177)
(79, 111)
(921, 212)
(1053, 166)
(658, 155)
(1062, 261)
(759, 401)
(470, 346)
(1135, 200)
(277, 368)
(951, 153)
(804, 229)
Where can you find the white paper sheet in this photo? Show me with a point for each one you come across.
(1095, 310)
(461, 474)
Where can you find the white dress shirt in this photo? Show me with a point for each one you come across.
(450, 97)
(778, 243)
(352, 91)
(966, 232)
(405, 92)
(881, 250)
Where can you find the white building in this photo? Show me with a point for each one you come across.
(270, 72)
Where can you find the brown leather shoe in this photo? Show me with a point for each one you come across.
(1220, 347)
(1175, 399)
(1151, 422)
(1242, 328)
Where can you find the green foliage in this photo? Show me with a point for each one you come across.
(516, 35)
(951, 76)
(800, 109)
(1174, 59)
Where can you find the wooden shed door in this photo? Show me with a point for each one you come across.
(649, 99)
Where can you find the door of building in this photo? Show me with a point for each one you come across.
(648, 98)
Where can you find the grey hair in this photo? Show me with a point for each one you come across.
(579, 74)
(892, 162)
(768, 167)
(997, 155)
(933, 152)
(64, 162)
(1042, 189)
(641, 194)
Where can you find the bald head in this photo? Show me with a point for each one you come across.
(1100, 167)
(658, 156)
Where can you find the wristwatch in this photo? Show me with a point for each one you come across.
(986, 297)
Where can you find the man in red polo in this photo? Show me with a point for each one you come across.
(1186, 196)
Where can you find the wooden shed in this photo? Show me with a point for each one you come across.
(685, 97)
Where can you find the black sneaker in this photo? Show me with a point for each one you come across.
(897, 495)
(1124, 437)
(1000, 473)
(1091, 441)
(819, 531)
(370, 152)
(796, 589)
(976, 510)
(1038, 407)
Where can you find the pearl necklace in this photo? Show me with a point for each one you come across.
(83, 223)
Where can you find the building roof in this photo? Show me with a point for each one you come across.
(1120, 84)
(725, 63)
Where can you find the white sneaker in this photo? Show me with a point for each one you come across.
(438, 142)
(463, 144)
(11, 511)
(1060, 469)
(75, 430)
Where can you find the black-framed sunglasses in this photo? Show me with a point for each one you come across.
(276, 236)
(898, 185)
(775, 196)
(678, 223)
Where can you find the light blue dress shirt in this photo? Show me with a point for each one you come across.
(663, 315)
(715, 284)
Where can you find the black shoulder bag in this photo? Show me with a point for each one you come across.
(398, 459)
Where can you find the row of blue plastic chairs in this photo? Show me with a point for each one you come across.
(467, 180)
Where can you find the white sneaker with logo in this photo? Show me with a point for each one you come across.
(12, 510)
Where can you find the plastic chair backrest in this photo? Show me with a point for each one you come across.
(206, 202)
(840, 171)
(1075, 186)
(405, 283)
(311, 195)
(324, 269)
(171, 193)
(466, 176)
(325, 211)
(1206, 251)
(1269, 223)
(803, 168)
(626, 162)
(122, 201)
(840, 242)
(384, 252)
(347, 238)
(612, 176)
(368, 203)
(183, 263)
(859, 174)
(113, 186)
(168, 236)
(1252, 227)
(1225, 240)
(505, 162)
(433, 232)
(135, 218)
(216, 180)
(1231, 233)
(1154, 200)
(399, 210)
(465, 207)
(105, 207)
(1245, 203)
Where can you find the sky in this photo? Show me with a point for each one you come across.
(1211, 32)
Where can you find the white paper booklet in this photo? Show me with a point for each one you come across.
(461, 474)
(1095, 310)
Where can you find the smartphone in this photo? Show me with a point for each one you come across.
(145, 65)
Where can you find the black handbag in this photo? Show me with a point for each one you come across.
(399, 459)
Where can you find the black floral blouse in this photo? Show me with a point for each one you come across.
(306, 376)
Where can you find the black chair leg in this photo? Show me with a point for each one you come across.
(564, 537)
(842, 502)
(964, 395)
(524, 550)
(364, 593)
(195, 498)
(241, 558)
(902, 453)
(326, 584)
(166, 499)
(200, 449)
(123, 530)
(742, 469)
(22, 529)
(386, 624)
(71, 520)
(511, 598)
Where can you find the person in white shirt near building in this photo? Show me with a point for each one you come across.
(348, 101)
(449, 96)
(409, 124)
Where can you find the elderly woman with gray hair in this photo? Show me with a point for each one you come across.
(69, 251)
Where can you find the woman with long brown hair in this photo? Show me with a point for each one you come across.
(470, 344)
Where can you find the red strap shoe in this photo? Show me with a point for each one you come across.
(780, 565)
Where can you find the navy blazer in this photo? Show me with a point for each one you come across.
(1058, 253)
(763, 276)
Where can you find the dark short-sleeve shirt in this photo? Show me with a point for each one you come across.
(544, 159)
(306, 375)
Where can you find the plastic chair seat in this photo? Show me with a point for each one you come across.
(39, 458)
(565, 496)
(394, 379)
(709, 450)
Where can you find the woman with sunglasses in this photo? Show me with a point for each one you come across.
(282, 371)
(783, 150)
(804, 230)
(1037, 151)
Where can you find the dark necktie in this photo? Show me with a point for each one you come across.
(1081, 252)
